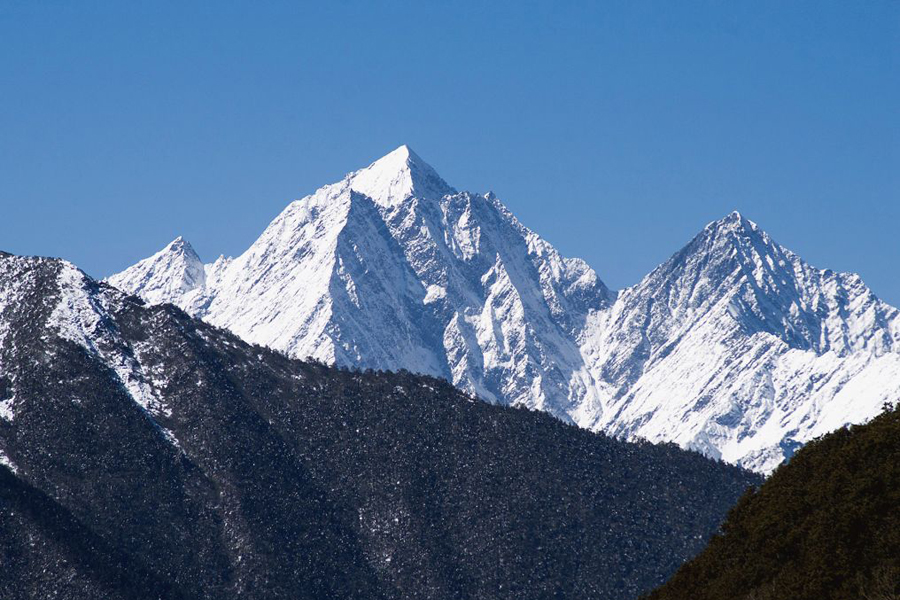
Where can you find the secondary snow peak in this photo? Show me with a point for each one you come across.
(176, 269)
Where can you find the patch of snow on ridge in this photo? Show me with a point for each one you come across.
(80, 317)
(6, 409)
(4, 460)
(434, 293)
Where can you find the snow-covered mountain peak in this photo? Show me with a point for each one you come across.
(397, 176)
(734, 217)
(180, 247)
(735, 270)
(740, 349)
(731, 247)
(180, 244)
(174, 271)
(734, 224)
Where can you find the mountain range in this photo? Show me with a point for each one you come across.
(734, 347)
(145, 454)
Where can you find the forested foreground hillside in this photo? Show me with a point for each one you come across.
(146, 454)
(824, 526)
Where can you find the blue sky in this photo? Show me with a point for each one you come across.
(614, 129)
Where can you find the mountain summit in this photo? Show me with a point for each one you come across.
(174, 271)
(734, 346)
(397, 176)
(738, 348)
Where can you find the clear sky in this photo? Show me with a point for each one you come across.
(614, 129)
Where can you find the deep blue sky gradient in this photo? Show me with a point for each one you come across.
(614, 129)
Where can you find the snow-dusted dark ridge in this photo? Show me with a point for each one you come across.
(145, 454)
(735, 346)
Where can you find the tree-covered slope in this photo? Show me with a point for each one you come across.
(148, 454)
(824, 526)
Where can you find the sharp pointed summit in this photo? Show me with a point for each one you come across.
(733, 216)
(181, 246)
(399, 175)
(174, 270)
(735, 222)
(179, 242)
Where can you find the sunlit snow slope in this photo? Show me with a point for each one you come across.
(734, 347)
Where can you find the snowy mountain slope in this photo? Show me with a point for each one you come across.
(735, 346)
(392, 268)
(739, 349)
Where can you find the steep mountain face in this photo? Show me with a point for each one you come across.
(825, 526)
(147, 454)
(739, 349)
(734, 346)
(392, 268)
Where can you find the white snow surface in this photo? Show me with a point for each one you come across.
(174, 271)
(4, 460)
(734, 347)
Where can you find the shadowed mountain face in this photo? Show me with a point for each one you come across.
(734, 347)
(825, 526)
(146, 454)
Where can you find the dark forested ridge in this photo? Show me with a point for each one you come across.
(159, 457)
(824, 526)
